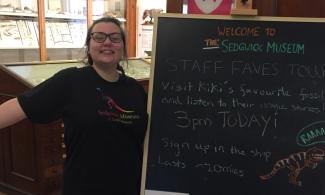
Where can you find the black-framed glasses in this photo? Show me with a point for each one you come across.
(100, 37)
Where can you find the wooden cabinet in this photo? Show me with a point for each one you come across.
(32, 155)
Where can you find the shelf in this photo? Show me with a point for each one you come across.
(65, 16)
(18, 14)
(47, 15)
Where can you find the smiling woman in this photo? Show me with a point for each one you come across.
(106, 48)
(103, 111)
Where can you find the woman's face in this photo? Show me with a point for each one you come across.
(106, 52)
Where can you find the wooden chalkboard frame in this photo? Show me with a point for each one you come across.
(152, 83)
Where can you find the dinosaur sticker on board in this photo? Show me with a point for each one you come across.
(296, 163)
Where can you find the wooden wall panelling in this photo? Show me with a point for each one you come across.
(286, 8)
(322, 6)
(266, 7)
(174, 6)
(290, 8)
(301, 8)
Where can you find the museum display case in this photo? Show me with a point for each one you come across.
(47, 30)
(35, 73)
(32, 155)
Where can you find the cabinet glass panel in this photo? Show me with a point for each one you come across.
(18, 31)
(66, 29)
(35, 73)
(115, 8)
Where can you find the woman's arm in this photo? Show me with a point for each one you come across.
(11, 113)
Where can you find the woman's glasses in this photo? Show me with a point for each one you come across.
(100, 37)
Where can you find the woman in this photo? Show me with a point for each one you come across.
(104, 115)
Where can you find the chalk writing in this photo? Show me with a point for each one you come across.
(315, 71)
(285, 48)
(220, 169)
(237, 151)
(274, 106)
(199, 101)
(183, 120)
(248, 120)
(175, 146)
(309, 94)
(245, 91)
(175, 100)
(212, 43)
(303, 108)
(181, 149)
(240, 103)
(252, 68)
(239, 31)
(260, 154)
(270, 32)
(177, 87)
(194, 65)
(171, 163)
(210, 87)
(228, 47)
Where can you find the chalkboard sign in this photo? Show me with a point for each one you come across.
(237, 107)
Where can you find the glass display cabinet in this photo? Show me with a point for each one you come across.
(35, 73)
(57, 31)
(32, 155)
(18, 38)
(65, 29)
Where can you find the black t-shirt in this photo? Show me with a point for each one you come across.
(105, 125)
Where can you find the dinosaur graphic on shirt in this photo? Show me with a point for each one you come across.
(113, 112)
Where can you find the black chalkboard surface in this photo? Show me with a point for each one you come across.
(237, 107)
